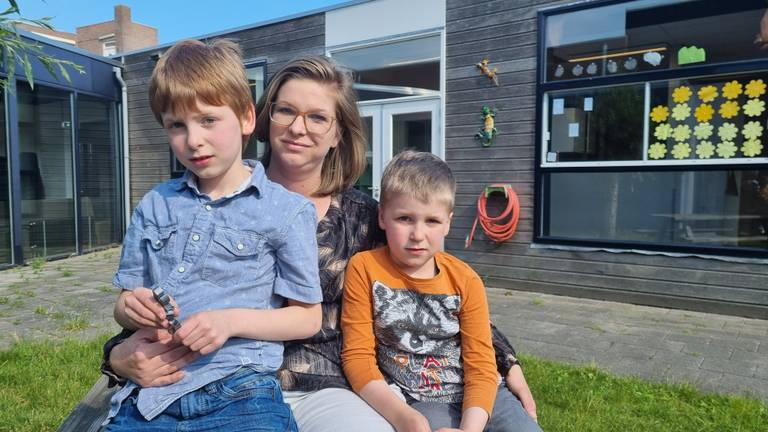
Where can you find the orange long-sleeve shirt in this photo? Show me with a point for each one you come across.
(430, 336)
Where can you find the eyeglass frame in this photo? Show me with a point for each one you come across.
(302, 114)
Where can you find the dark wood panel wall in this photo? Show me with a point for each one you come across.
(274, 44)
(505, 31)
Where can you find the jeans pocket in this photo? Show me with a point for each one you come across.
(249, 384)
(231, 257)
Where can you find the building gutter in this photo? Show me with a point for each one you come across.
(126, 154)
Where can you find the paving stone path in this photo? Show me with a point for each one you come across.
(74, 298)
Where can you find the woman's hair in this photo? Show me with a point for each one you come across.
(192, 70)
(344, 163)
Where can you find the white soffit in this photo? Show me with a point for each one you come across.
(381, 19)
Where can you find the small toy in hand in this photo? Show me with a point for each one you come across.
(488, 132)
(490, 73)
(165, 299)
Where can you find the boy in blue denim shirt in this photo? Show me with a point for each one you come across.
(237, 252)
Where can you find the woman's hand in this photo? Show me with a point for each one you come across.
(151, 358)
(410, 420)
(519, 387)
(205, 332)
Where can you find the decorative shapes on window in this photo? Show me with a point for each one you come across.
(681, 94)
(657, 151)
(708, 93)
(559, 71)
(681, 112)
(704, 112)
(577, 70)
(659, 113)
(591, 68)
(754, 107)
(729, 109)
(726, 149)
(755, 88)
(612, 66)
(705, 150)
(727, 132)
(682, 132)
(703, 131)
(630, 64)
(752, 148)
(653, 58)
(732, 90)
(681, 150)
(691, 54)
(663, 131)
(752, 130)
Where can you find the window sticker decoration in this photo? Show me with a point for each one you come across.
(681, 150)
(704, 112)
(681, 112)
(752, 148)
(682, 132)
(657, 151)
(703, 131)
(691, 54)
(705, 150)
(732, 90)
(754, 107)
(755, 88)
(663, 132)
(707, 93)
(727, 132)
(726, 149)
(681, 94)
(729, 109)
(659, 113)
(752, 130)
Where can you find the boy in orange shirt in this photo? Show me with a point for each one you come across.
(420, 315)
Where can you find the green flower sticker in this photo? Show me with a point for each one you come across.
(752, 130)
(662, 131)
(726, 149)
(681, 132)
(727, 132)
(681, 151)
(703, 131)
(752, 148)
(681, 112)
(657, 151)
(705, 150)
(754, 107)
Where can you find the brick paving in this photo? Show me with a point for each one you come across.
(73, 298)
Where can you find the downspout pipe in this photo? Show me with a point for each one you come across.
(126, 155)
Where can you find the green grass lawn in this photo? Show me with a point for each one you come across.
(41, 382)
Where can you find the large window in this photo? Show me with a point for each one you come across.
(653, 126)
(6, 251)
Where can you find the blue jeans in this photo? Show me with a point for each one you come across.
(508, 414)
(244, 401)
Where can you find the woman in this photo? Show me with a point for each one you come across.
(315, 146)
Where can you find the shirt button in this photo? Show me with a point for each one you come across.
(240, 246)
(158, 243)
(195, 237)
(182, 269)
(208, 207)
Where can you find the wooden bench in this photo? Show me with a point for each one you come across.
(91, 411)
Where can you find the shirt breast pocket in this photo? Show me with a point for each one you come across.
(232, 257)
(158, 244)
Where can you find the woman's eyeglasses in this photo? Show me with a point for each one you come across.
(314, 122)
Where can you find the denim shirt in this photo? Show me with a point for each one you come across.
(251, 249)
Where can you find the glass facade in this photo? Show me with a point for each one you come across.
(6, 249)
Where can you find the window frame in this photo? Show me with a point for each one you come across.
(543, 168)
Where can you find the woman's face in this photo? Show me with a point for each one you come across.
(294, 146)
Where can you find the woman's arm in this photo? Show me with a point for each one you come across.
(509, 367)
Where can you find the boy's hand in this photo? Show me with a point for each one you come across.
(142, 308)
(204, 332)
(411, 420)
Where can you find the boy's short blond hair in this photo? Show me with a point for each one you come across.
(192, 70)
(420, 175)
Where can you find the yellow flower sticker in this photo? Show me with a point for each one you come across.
(705, 150)
(703, 131)
(754, 107)
(752, 130)
(681, 132)
(755, 88)
(732, 90)
(681, 94)
(752, 148)
(727, 132)
(726, 149)
(729, 109)
(659, 113)
(662, 131)
(704, 112)
(681, 112)
(657, 151)
(681, 151)
(707, 93)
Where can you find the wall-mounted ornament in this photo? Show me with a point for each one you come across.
(490, 73)
(488, 132)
